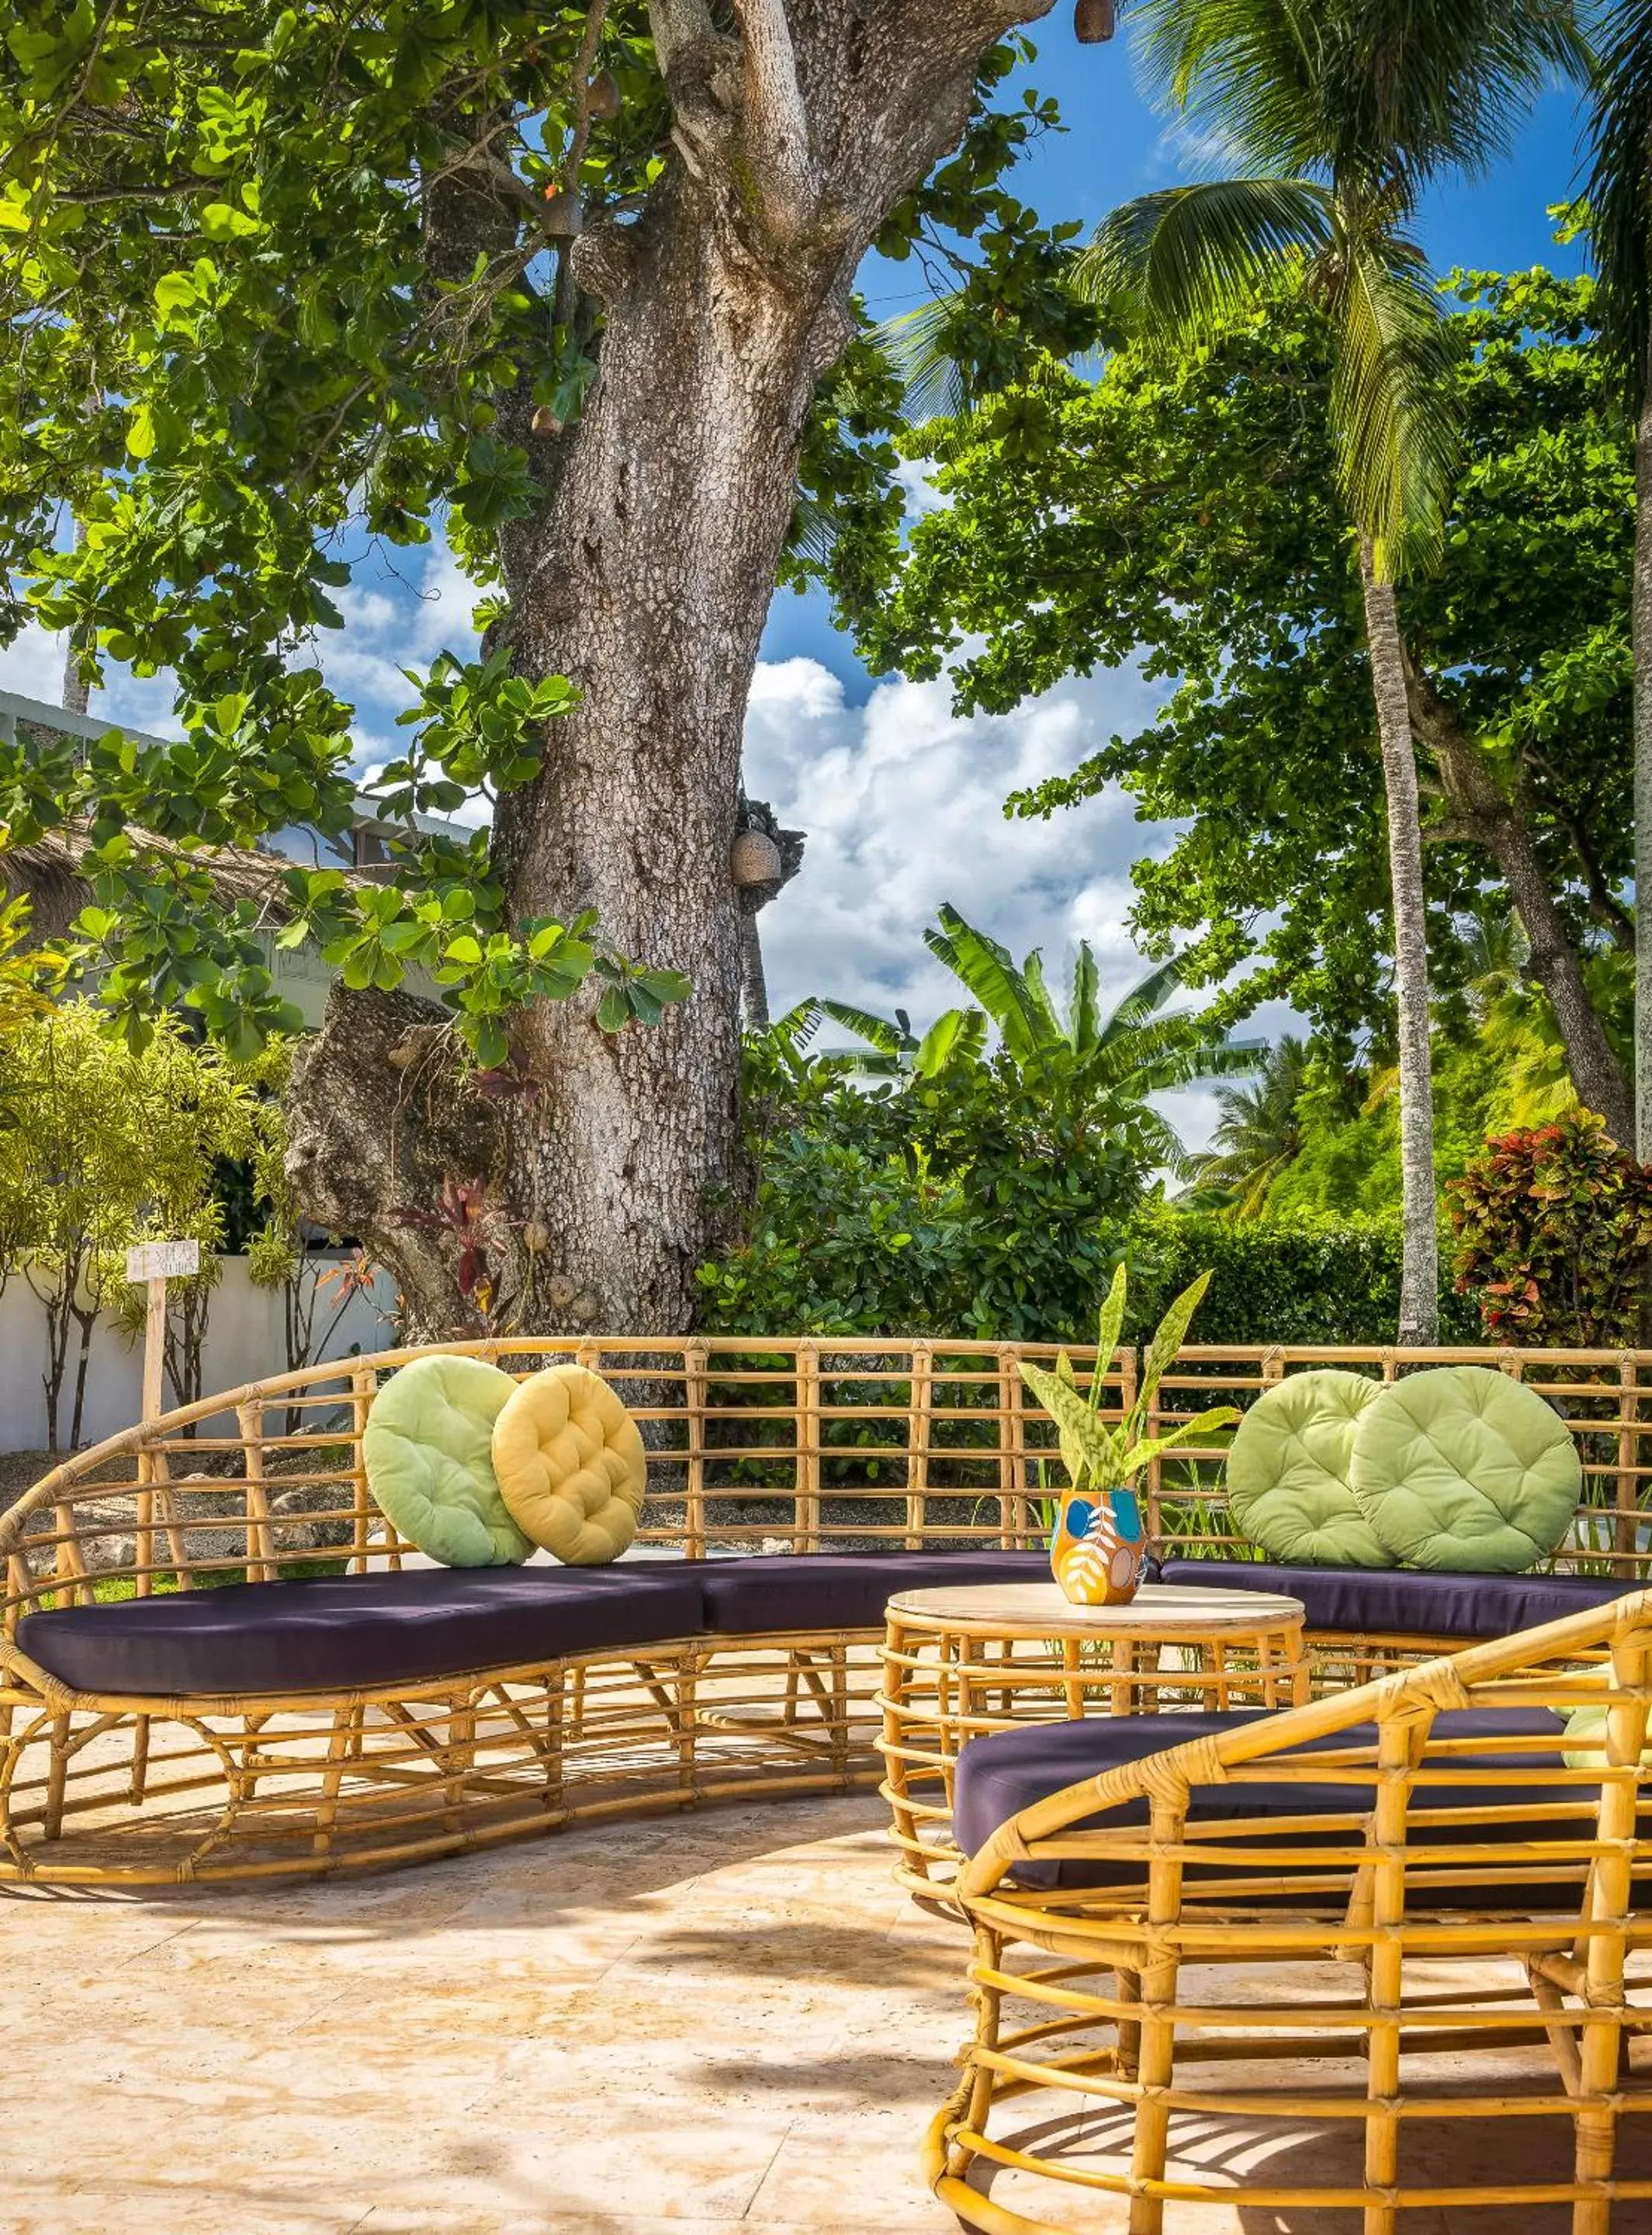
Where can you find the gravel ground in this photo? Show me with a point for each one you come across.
(20, 1471)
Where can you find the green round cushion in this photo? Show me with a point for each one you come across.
(1288, 1472)
(1584, 1742)
(1462, 1469)
(429, 1453)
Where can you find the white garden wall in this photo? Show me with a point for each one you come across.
(243, 1343)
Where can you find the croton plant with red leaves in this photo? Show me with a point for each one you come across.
(1554, 1235)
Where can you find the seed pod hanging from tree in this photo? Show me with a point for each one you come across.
(1094, 21)
(756, 859)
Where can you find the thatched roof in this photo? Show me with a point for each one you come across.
(49, 871)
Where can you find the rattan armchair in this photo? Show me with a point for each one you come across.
(1302, 1962)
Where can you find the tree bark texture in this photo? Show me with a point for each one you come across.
(1642, 626)
(646, 577)
(1419, 1272)
(1479, 809)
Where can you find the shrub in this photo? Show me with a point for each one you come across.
(1274, 1281)
(1553, 1227)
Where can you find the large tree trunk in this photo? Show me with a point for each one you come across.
(1481, 811)
(646, 577)
(1642, 647)
(1419, 1273)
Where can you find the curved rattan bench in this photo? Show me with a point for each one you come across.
(304, 1715)
(1476, 1891)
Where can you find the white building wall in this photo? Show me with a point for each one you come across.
(243, 1343)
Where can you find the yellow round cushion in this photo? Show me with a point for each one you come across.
(570, 1464)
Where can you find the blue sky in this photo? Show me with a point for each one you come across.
(901, 801)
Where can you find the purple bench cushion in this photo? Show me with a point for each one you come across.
(1000, 1776)
(1405, 1602)
(348, 1633)
(844, 1590)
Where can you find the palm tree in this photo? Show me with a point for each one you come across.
(1258, 1133)
(1620, 200)
(1082, 1062)
(1338, 113)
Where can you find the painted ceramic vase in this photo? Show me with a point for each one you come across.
(1096, 1553)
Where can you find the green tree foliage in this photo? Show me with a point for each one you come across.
(1619, 211)
(107, 1148)
(963, 1187)
(1553, 1225)
(1257, 1135)
(1184, 513)
(1083, 1064)
(969, 1201)
(235, 357)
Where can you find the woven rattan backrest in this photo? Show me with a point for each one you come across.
(779, 1443)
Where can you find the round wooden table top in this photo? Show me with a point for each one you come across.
(1160, 1610)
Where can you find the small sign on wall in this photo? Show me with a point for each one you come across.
(163, 1261)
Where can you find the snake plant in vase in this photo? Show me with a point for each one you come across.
(1097, 1546)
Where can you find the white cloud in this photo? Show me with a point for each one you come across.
(32, 666)
(902, 803)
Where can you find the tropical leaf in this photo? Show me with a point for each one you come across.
(1107, 1333)
(990, 974)
(1619, 190)
(1084, 1024)
(1153, 1447)
(914, 343)
(1089, 1449)
(957, 1035)
(1144, 1000)
(884, 1033)
(1052, 1031)
(1185, 260)
(1392, 403)
(1172, 1328)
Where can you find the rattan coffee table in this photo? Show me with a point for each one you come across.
(959, 1663)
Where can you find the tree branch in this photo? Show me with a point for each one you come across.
(777, 121)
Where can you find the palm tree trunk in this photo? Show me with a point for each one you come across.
(76, 690)
(754, 987)
(1641, 623)
(1420, 1271)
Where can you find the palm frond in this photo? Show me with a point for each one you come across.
(915, 343)
(1399, 90)
(1619, 190)
(1184, 260)
(1392, 402)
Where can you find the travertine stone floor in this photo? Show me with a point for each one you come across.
(729, 2019)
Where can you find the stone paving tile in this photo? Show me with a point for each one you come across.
(686, 2026)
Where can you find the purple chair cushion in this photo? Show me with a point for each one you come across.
(1000, 1776)
(844, 1590)
(1407, 1601)
(348, 1633)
